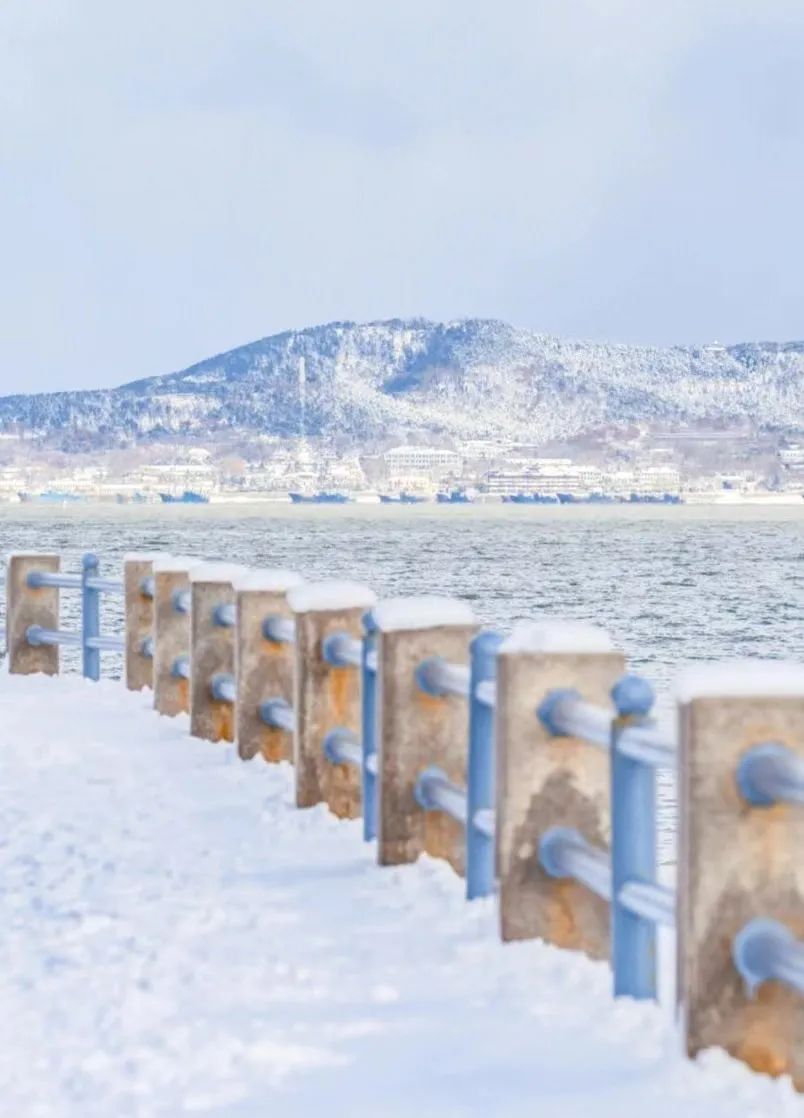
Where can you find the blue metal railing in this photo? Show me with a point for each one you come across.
(626, 876)
(90, 639)
(434, 791)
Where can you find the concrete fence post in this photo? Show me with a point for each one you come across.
(212, 648)
(417, 730)
(326, 697)
(738, 860)
(264, 666)
(27, 605)
(138, 581)
(545, 781)
(172, 633)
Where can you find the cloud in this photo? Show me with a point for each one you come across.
(179, 178)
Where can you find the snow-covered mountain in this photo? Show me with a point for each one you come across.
(469, 378)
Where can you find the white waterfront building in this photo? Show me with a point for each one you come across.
(421, 459)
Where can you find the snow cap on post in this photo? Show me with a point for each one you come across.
(267, 580)
(215, 571)
(426, 612)
(740, 678)
(330, 596)
(550, 635)
(175, 564)
(143, 556)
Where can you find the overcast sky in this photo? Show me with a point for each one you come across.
(178, 177)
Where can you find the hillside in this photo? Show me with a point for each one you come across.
(471, 378)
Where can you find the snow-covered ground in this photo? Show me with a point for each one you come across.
(178, 939)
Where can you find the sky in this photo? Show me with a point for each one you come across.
(178, 177)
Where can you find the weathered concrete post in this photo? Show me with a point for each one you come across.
(738, 861)
(27, 605)
(264, 665)
(172, 633)
(326, 697)
(416, 729)
(212, 648)
(545, 781)
(139, 606)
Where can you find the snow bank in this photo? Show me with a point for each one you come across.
(330, 595)
(218, 952)
(176, 562)
(740, 678)
(216, 572)
(426, 612)
(270, 579)
(555, 635)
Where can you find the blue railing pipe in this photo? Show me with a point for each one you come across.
(182, 601)
(764, 950)
(564, 713)
(565, 853)
(90, 615)
(480, 769)
(368, 725)
(770, 774)
(105, 585)
(279, 714)
(225, 615)
(181, 667)
(342, 650)
(633, 843)
(342, 747)
(36, 634)
(106, 643)
(38, 580)
(434, 791)
(147, 648)
(280, 630)
(148, 586)
(437, 676)
(223, 687)
(649, 901)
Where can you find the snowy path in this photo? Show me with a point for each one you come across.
(178, 939)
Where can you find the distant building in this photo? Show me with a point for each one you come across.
(414, 466)
(421, 459)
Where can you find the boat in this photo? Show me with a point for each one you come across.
(454, 497)
(598, 498)
(323, 498)
(188, 497)
(51, 497)
(401, 499)
(655, 499)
